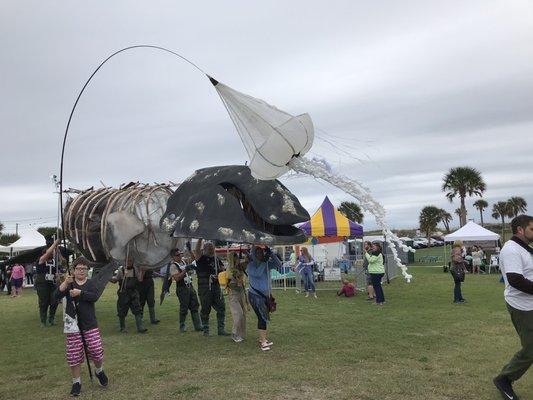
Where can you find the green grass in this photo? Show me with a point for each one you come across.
(421, 254)
(418, 346)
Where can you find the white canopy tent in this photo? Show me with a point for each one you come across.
(31, 239)
(472, 232)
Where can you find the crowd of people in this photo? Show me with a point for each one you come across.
(252, 270)
(135, 290)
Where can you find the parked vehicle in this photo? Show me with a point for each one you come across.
(420, 243)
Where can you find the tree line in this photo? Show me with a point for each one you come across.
(458, 183)
(463, 182)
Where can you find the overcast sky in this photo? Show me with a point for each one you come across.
(407, 90)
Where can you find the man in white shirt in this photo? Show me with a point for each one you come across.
(516, 263)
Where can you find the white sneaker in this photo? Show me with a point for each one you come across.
(269, 343)
(306, 294)
(264, 347)
(314, 294)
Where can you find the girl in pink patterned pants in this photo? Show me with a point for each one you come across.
(79, 295)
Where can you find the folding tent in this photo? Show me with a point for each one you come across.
(328, 227)
(31, 239)
(328, 222)
(471, 232)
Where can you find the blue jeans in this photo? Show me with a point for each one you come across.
(457, 295)
(258, 304)
(309, 281)
(376, 283)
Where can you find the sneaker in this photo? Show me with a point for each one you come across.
(102, 378)
(503, 384)
(315, 296)
(306, 294)
(269, 343)
(76, 389)
(237, 339)
(223, 333)
(264, 347)
(370, 299)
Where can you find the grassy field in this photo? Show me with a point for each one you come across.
(418, 346)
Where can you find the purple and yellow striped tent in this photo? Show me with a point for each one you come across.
(327, 221)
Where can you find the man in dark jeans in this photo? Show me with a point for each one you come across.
(516, 263)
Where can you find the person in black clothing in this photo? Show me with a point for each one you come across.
(79, 296)
(145, 287)
(128, 296)
(207, 269)
(29, 273)
(7, 279)
(184, 290)
(45, 284)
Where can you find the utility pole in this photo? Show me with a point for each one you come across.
(17, 229)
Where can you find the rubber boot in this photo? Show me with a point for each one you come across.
(52, 320)
(183, 328)
(122, 324)
(153, 319)
(139, 324)
(220, 326)
(43, 319)
(205, 327)
(196, 321)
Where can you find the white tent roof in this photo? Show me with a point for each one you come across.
(31, 239)
(472, 232)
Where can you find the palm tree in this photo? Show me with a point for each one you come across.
(445, 218)
(458, 212)
(481, 205)
(352, 211)
(1, 228)
(462, 182)
(501, 210)
(429, 217)
(517, 205)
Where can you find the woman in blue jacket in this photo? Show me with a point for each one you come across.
(260, 289)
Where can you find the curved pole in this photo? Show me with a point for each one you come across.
(76, 103)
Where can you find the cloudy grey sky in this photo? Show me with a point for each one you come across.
(406, 89)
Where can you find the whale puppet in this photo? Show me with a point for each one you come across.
(228, 204)
(109, 224)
